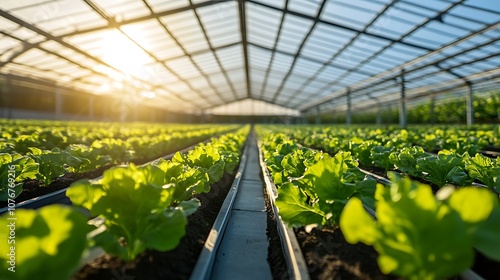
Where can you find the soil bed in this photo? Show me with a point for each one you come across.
(174, 264)
(275, 252)
(329, 256)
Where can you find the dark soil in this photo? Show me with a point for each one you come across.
(175, 264)
(485, 267)
(275, 253)
(329, 256)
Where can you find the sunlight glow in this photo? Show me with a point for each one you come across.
(123, 54)
(148, 94)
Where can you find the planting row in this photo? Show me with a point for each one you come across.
(393, 151)
(138, 208)
(432, 139)
(418, 235)
(72, 154)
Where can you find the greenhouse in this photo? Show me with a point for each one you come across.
(246, 139)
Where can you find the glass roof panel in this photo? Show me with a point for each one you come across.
(262, 25)
(274, 3)
(162, 5)
(221, 23)
(293, 32)
(183, 67)
(229, 57)
(350, 15)
(484, 16)
(186, 30)
(124, 9)
(308, 7)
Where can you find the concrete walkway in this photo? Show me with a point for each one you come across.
(243, 251)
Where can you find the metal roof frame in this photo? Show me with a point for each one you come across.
(300, 54)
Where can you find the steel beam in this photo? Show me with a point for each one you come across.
(349, 107)
(402, 102)
(469, 102)
(243, 30)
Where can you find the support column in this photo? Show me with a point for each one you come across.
(349, 107)
(58, 102)
(432, 115)
(469, 100)
(402, 103)
(318, 116)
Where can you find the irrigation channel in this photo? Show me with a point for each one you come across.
(238, 243)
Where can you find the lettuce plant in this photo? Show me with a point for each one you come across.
(405, 159)
(319, 196)
(484, 169)
(48, 243)
(419, 236)
(444, 168)
(205, 157)
(138, 210)
(52, 164)
(23, 167)
(380, 156)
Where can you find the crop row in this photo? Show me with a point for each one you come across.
(393, 151)
(417, 234)
(71, 152)
(432, 139)
(137, 208)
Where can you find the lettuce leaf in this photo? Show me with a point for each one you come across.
(421, 237)
(48, 243)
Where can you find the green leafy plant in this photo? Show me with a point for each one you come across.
(484, 169)
(206, 157)
(444, 168)
(323, 191)
(117, 149)
(138, 210)
(405, 160)
(422, 237)
(185, 180)
(361, 149)
(52, 164)
(90, 158)
(47, 243)
(14, 169)
(380, 156)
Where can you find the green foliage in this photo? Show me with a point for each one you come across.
(90, 158)
(420, 237)
(21, 168)
(52, 164)
(205, 157)
(380, 156)
(295, 207)
(323, 190)
(186, 180)
(361, 149)
(137, 208)
(444, 168)
(48, 243)
(405, 159)
(484, 169)
(146, 207)
(118, 149)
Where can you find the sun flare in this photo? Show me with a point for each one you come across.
(123, 54)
